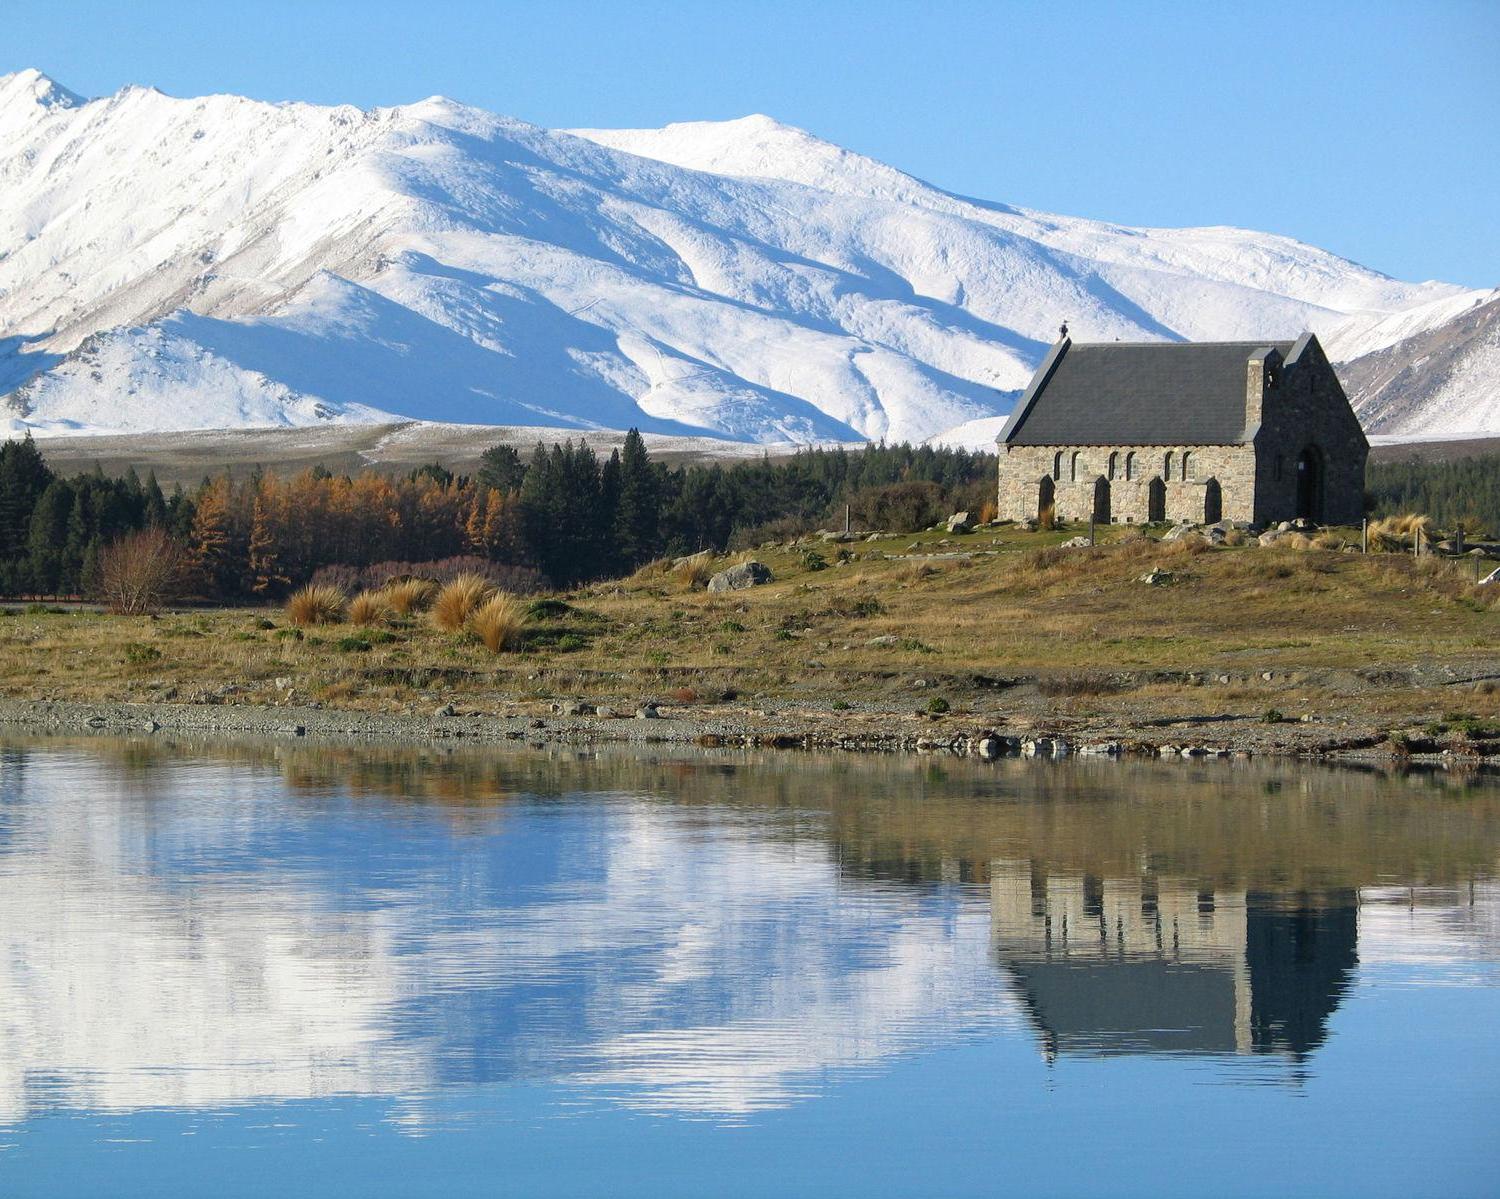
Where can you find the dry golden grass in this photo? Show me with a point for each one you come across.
(316, 604)
(497, 622)
(369, 607)
(1046, 520)
(1018, 607)
(692, 574)
(1393, 534)
(409, 595)
(458, 600)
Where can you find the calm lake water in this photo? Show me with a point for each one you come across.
(282, 970)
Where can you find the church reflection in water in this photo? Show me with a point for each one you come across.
(1155, 964)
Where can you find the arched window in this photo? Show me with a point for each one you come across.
(1130, 465)
(1187, 465)
(1167, 469)
(1113, 462)
(1073, 466)
(1057, 465)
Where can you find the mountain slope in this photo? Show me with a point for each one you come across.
(170, 263)
(1441, 382)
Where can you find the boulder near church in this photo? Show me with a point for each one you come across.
(1253, 432)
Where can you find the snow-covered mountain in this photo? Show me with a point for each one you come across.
(1442, 382)
(217, 262)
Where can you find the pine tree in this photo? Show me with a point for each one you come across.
(637, 524)
(48, 536)
(24, 475)
(155, 509)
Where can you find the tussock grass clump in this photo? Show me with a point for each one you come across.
(1393, 534)
(1328, 541)
(497, 622)
(317, 603)
(409, 595)
(692, 574)
(368, 607)
(458, 600)
(1046, 519)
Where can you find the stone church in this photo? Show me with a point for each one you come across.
(1254, 432)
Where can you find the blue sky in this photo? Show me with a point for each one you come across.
(1367, 128)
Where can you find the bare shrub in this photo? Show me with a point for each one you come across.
(369, 607)
(899, 507)
(141, 571)
(497, 622)
(1046, 519)
(317, 603)
(457, 601)
(1062, 685)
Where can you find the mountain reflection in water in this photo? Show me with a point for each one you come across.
(711, 935)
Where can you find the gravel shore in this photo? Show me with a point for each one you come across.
(578, 723)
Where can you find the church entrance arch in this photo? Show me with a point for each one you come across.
(1046, 497)
(1213, 502)
(1310, 484)
(1101, 500)
(1156, 500)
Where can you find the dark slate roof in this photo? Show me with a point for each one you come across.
(1138, 393)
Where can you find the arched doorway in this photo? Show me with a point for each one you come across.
(1101, 500)
(1310, 484)
(1213, 502)
(1156, 500)
(1046, 495)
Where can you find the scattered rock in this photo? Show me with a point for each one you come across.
(573, 707)
(959, 522)
(1178, 531)
(1076, 543)
(740, 577)
(1492, 577)
(884, 641)
(647, 712)
(1157, 577)
(283, 683)
(445, 710)
(1269, 537)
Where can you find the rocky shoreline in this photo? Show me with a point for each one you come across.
(579, 723)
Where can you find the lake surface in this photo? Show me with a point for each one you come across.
(284, 969)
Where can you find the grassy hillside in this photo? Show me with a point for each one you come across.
(997, 626)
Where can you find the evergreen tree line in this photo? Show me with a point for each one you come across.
(563, 511)
(1465, 491)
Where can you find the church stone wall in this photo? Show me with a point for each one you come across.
(1022, 468)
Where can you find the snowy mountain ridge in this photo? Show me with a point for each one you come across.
(221, 262)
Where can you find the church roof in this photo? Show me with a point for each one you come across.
(1138, 393)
